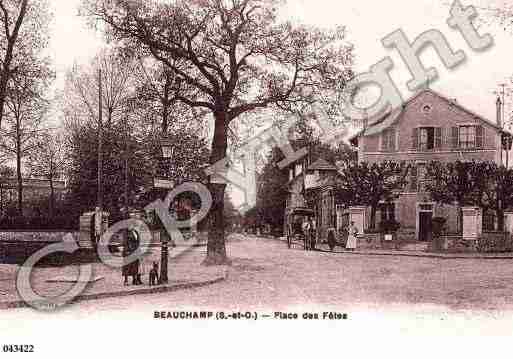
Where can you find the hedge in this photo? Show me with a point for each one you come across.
(39, 223)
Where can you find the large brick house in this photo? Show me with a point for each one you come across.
(428, 127)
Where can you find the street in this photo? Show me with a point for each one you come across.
(266, 275)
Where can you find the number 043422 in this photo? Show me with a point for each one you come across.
(15, 348)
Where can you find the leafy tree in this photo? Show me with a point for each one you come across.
(451, 183)
(483, 184)
(83, 169)
(364, 184)
(231, 59)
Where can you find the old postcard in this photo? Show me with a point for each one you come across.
(255, 177)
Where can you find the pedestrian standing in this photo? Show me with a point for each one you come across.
(306, 233)
(352, 236)
(143, 269)
(125, 270)
(133, 245)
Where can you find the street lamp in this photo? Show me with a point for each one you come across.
(167, 148)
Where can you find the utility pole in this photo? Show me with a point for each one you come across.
(99, 200)
(502, 95)
(126, 166)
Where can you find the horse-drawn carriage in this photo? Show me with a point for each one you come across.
(295, 231)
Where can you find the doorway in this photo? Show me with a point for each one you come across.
(425, 222)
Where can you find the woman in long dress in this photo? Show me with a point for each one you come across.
(351, 239)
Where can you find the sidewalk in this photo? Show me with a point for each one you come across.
(398, 252)
(184, 272)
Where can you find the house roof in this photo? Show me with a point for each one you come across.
(393, 115)
(323, 165)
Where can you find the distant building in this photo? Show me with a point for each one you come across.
(311, 185)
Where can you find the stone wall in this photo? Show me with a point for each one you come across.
(488, 242)
(495, 242)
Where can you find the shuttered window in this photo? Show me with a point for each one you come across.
(455, 137)
(415, 139)
(438, 137)
(468, 137)
(479, 136)
(427, 138)
(388, 140)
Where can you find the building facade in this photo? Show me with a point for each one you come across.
(428, 127)
(312, 185)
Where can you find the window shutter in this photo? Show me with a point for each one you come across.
(397, 140)
(383, 141)
(438, 137)
(479, 136)
(391, 140)
(415, 139)
(413, 178)
(455, 137)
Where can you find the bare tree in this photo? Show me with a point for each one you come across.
(25, 116)
(82, 84)
(48, 161)
(234, 57)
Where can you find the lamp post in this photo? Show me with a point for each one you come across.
(167, 148)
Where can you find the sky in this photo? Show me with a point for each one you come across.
(367, 22)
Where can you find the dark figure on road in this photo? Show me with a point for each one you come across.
(154, 274)
(126, 267)
(331, 240)
(133, 245)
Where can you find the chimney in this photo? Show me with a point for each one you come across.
(499, 112)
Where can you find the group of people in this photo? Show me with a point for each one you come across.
(350, 232)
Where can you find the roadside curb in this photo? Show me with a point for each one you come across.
(419, 255)
(139, 291)
(104, 295)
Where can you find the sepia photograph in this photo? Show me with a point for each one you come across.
(256, 177)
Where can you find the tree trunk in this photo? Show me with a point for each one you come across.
(20, 179)
(500, 219)
(52, 197)
(216, 249)
(460, 218)
(165, 106)
(372, 224)
(9, 54)
(3, 90)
